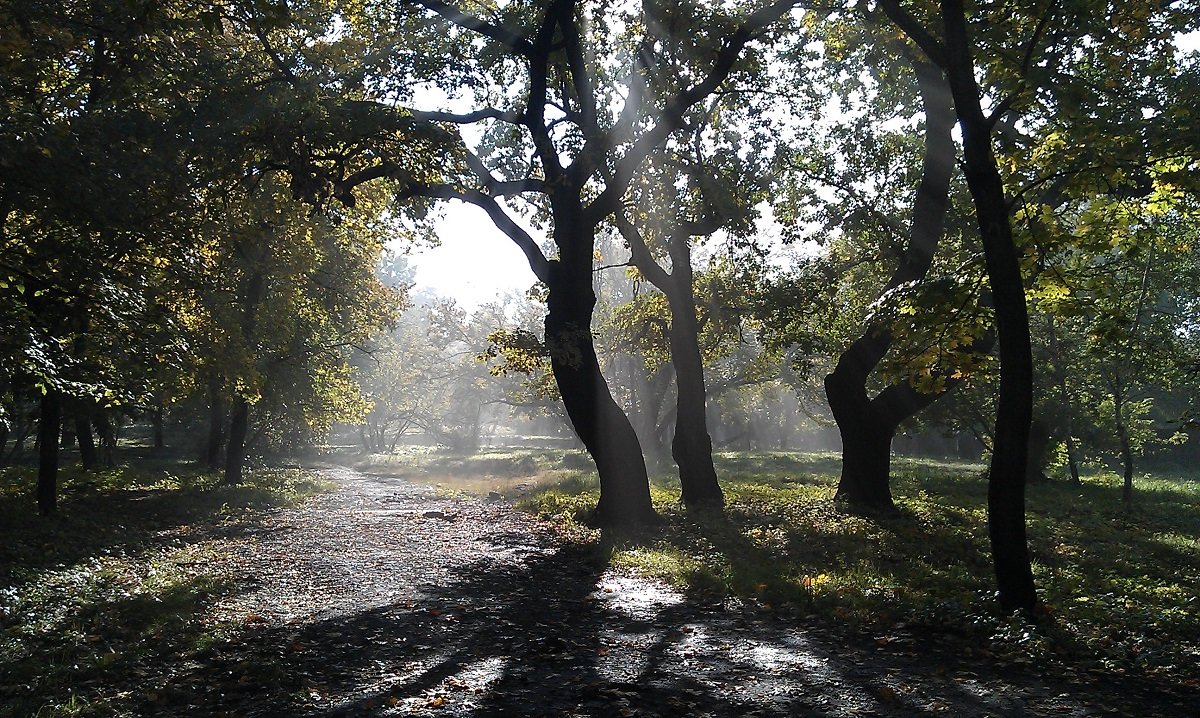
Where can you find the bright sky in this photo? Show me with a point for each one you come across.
(474, 262)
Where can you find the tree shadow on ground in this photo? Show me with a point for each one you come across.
(555, 634)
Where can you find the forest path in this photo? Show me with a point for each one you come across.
(385, 598)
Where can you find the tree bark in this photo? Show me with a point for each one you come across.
(600, 424)
(239, 426)
(1014, 408)
(48, 431)
(691, 446)
(866, 425)
(87, 444)
(1126, 449)
(235, 453)
(216, 423)
(157, 420)
(108, 438)
(866, 447)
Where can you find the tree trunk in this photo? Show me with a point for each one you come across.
(1039, 451)
(866, 445)
(600, 424)
(235, 453)
(1126, 450)
(87, 444)
(692, 445)
(108, 438)
(216, 423)
(157, 421)
(1014, 408)
(868, 425)
(239, 425)
(48, 430)
(1060, 375)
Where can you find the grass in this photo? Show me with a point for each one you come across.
(1120, 588)
(99, 603)
(514, 473)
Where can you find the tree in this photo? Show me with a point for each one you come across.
(573, 158)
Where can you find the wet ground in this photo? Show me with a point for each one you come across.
(384, 598)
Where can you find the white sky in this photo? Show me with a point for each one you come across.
(474, 263)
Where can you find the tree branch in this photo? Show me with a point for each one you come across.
(517, 43)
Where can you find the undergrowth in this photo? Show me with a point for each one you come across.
(99, 601)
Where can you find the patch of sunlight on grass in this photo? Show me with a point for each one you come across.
(1121, 587)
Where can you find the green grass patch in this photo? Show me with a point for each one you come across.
(111, 599)
(514, 473)
(1120, 587)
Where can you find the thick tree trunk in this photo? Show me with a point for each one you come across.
(235, 452)
(48, 430)
(1014, 409)
(692, 445)
(866, 445)
(87, 444)
(600, 424)
(216, 423)
(868, 425)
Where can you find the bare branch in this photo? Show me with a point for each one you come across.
(517, 43)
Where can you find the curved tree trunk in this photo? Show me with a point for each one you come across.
(868, 425)
(691, 446)
(48, 430)
(600, 424)
(1014, 407)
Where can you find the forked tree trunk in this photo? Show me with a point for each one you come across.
(867, 425)
(600, 424)
(866, 445)
(48, 431)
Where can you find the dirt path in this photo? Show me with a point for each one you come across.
(383, 598)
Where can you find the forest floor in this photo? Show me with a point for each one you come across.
(389, 597)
